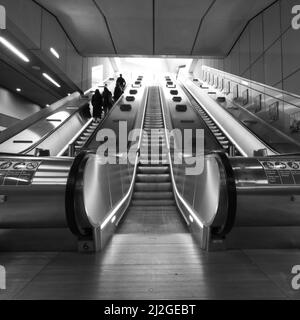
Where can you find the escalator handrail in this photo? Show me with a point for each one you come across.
(72, 209)
(48, 134)
(178, 196)
(137, 158)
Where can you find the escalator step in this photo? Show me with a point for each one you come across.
(153, 195)
(157, 203)
(152, 170)
(153, 178)
(152, 186)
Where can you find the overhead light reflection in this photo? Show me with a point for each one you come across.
(51, 80)
(13, 49)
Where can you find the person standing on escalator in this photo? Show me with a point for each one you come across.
(107, 99)
(121, 82)
(117, 93)
(97, 103)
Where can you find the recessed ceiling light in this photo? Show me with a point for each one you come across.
(47, 105)
(45, 75)
(13, 49)
(18, 89)
(55, 53)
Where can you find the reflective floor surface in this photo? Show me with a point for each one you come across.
(148, 269)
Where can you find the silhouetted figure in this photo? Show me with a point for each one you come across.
(107, 99)
(118, 92)
(121, 82)
(97, 103)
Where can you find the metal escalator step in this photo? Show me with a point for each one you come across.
(152, 156)
(153, 195)
(79, 143)
(153, 170)
(154, 162)
(157, 144)
(153, 178)
(153, 186)
(156, 203)
(143, 209)
(86, 134)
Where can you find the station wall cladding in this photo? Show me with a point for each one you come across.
(14, 108)
(38, 30)
(268, 49)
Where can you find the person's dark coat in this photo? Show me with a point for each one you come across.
(117, 93)
(107, 99)
(97, 103)
(121, 82)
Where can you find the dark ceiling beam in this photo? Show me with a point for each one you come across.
(200, 24)
(107, 25)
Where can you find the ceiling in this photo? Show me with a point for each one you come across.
(154, 27)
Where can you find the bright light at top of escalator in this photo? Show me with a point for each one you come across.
(55, 53)
(13, 49)
(51, 80)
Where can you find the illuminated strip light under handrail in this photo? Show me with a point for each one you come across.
(186, 205)
(45, 75)
(125, 198)
(13, 49)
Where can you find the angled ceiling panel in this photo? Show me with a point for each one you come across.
(131, 25)
(224, 23)
(176, 25)
(160, 27)
(84, 24)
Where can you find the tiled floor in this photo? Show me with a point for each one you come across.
(253, 274)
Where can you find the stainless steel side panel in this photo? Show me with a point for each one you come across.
(40, 201)
(261, 203)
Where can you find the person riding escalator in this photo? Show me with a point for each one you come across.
(121, 82)
(117, 93)
(107, 100)
(97, 103)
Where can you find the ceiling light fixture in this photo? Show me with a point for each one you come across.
(13, 49)
(55, 53)
(18, 89)
(45, 75)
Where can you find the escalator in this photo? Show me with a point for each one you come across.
(157, 195)
(153, 208)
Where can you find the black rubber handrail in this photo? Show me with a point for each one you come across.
(231, 196)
